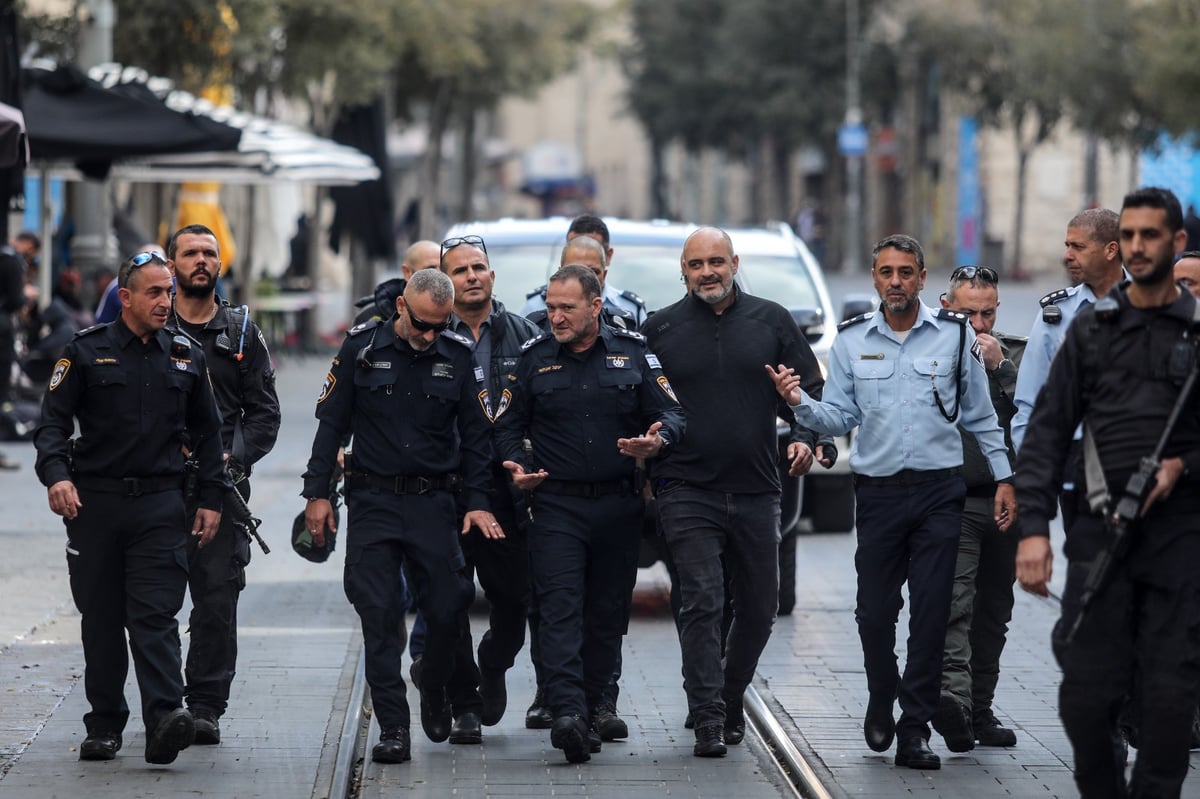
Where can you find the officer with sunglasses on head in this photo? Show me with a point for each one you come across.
(905, 377)
(140, 395)
(982, 602)
(406, 389)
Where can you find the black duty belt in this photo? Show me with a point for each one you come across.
(907, 477)
(403, 484)
(572, 488)
(129, 486)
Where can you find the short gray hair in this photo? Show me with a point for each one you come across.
(582, 244)
(433, 282)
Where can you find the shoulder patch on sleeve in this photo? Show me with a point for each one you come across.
(534, 340)
(60, 371)
(633, 334)
(954, 316)
(854, 320)
(459, 338)
(1054, 297)
(629, 295)
(367, 325)
(87, 331)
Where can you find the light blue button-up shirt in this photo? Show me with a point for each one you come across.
(1044, 341)
(886, 388)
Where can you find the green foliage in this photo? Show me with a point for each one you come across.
(484, 50)
(1165, 65)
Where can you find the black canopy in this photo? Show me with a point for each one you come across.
(71, 117)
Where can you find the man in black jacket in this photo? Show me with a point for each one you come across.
(478, 695)
(243, 380)
(718, 491)
(1119, 372)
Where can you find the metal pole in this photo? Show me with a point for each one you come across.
(92, 244)
(854, 116)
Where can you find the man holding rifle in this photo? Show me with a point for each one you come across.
(1132, 599)
(243, 381)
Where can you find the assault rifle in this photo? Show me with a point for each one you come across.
(1123, 516)
(242, 518)
(239, 512)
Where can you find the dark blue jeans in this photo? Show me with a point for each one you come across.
(700, 526)
(907, 532)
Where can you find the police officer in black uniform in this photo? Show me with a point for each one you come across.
(243, 381)
(478, 694)
(586, 250)
(139, 396)
(406, 388)
(1119, 372)
(591, 399)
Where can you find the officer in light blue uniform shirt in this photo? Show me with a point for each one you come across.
(1093, 254)
(907, 377)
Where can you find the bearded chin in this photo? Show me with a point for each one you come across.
(192, 291)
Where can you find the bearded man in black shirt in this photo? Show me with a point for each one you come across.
(718, 490)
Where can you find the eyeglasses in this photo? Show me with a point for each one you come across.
(422, 325)
(471, 241)
(984, 273)
(135, 263)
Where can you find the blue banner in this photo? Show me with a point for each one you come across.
(969, 224)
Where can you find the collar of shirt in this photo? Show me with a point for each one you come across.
(925, 315)
(463, 329)
(125, 336)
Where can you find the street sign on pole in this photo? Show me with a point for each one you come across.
(852, 139)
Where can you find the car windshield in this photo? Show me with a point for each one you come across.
(520, 268)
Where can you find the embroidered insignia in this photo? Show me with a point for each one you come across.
(617, 361)
(60, 371)
(554, 367)
(652, 361)
(327, 387)
(443, 370)
(665, 385)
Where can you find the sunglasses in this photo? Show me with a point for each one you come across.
(471, 241)
(135, 263)
(420, 324)
(984, 273)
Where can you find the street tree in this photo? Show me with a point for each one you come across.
(463, 57)
(1010, 66)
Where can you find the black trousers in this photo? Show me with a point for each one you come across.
(383, 531)
(907, 533)
(216, 579)
(128, 565)
(1139, 639)
(503, 569)
(583, 553)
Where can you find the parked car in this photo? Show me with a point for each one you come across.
(773, 262)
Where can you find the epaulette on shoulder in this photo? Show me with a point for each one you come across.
(862, 317)
(459, 338)
(367, 325)
(1009, 338)
(633, 334)
(632, 297)
(954, 316)
(538, 338)
(87, 331)
(540, 291)
(1054, 297)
